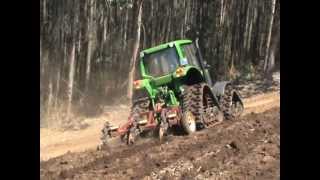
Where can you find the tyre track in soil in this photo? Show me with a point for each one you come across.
(247, 148)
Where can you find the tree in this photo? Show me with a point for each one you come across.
(135, 52)
(89, 50)
(267, 59)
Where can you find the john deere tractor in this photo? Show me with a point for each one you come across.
(175, 91)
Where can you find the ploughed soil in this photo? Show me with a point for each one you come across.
(54, 143)
(247, 148)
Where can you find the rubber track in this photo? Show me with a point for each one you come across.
(210, 122)
(226, 103)
(192, 101)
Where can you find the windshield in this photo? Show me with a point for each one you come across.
(190, 53)
(162, 62)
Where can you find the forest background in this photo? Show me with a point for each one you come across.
(88, 47)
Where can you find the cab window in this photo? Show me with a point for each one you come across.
(190, 54)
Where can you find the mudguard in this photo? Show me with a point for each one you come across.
(219, 87)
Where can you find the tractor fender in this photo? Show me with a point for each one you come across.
(219, 88)
(192, 75)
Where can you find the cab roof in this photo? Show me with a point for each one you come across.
(165, 45)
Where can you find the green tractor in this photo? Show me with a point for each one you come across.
(175, 91)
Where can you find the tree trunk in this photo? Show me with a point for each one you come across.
(44, 11)
(222, 12)
(88, 59)
(125, 29)
(184, 26)
(144, 36)
(248, 13)
(273, 49)
(153, 24)
(253, 19)
(134, 54)
(50, 97)
(57, 88)
(70, 80)
(266, 58)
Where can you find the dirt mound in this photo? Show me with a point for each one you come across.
(245, 149)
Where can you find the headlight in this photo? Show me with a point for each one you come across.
(179, 72)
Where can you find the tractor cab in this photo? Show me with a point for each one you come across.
(177, 59)
(162, 62)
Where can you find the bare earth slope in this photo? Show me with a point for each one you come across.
(245, 149)
(54, 143)
(248, 148)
